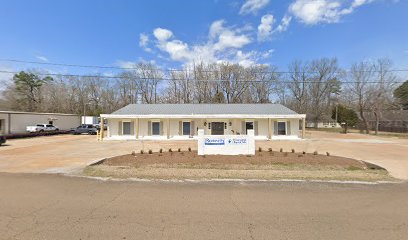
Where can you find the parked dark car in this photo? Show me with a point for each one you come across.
(86, 128)
(2, 139)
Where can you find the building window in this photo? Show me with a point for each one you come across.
(155, 128)
(186, 128)
(281, 128)
(126, 128)
(249, 126)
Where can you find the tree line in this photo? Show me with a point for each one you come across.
(312, 87)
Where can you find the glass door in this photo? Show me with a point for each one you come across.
(217, 128)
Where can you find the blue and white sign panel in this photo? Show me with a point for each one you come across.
(215, 141)
(226, 145)
(237, 141)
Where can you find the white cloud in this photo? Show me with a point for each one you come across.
(144, 42)
(358, 3)
(283, 26)
(230, 39)
(126, 64)
(224, 44)
(322, 11)
(162, 34)
(265, 28)
(42, 58)
(253, 6)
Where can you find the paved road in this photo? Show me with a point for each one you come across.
(58, 207)
(71, 153)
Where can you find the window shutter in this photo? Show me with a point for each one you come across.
(275, 128)
(256, 128)
(180, 128)
(161, 128)
(288, 128)
(132, 127)
(149, 128)
(192, 128)
(120, 128)
(243, 130)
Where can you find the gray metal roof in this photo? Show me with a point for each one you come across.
(203, 109)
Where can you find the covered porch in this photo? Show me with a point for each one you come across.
(184, 128)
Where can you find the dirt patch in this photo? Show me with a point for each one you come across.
(264, 165)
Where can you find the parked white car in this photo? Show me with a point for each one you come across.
(42, 128)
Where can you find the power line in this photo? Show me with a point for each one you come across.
(178, 79)
(172, 70)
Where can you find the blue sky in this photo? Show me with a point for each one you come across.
(177, 32)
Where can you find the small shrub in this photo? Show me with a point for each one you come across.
(189, 149)
(303, 152)
(179, 150)
(170, 150)
(315, 153)
(161, 150)
(328, 154)
(150, 151)
(141, 151)
(293, 150)
(270, 149)
(259, 149)
(281, 150)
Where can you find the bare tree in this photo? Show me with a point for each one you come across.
(298, 85)
(324, 82)
(382, 89)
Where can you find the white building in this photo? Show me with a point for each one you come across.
(89, 120)
(16, 122)
(182, 121)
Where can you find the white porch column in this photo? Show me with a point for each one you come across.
(303, 127)
(269, 129)
(102, 125)
(168, 128)
(137, 127)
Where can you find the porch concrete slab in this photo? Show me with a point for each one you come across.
(69, 153)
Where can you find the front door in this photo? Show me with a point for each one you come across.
(249, 126)
(217, 128)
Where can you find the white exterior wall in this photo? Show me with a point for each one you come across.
(4, 123)
(19, 121)
(234, 129)
(331, 124)
(89, 120)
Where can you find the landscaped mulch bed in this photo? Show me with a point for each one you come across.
(261, 158)
(262, 166)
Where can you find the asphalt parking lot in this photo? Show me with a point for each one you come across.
(71, 153)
